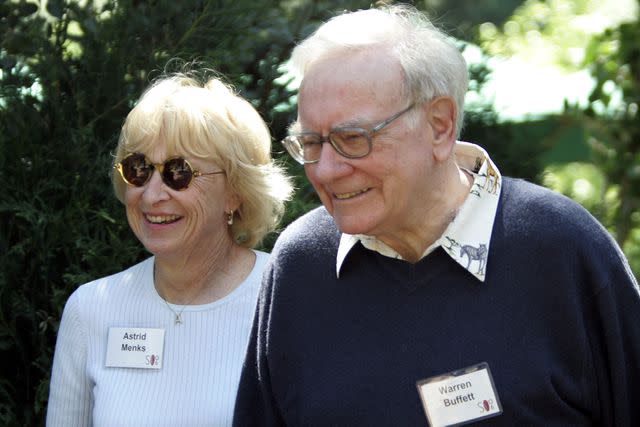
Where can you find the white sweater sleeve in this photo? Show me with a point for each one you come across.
(70, 402)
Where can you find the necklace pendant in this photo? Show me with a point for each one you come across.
(178, 320)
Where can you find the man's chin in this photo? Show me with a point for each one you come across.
(353, 225)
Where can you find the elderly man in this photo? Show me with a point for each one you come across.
(429, 289)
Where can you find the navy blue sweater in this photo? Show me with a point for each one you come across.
(557, 320)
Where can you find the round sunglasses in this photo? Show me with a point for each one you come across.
(175, 172)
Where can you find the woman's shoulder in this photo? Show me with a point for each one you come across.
(246, 293)
(254, 279)
(261, 259)
(93, 303)
(119, 283)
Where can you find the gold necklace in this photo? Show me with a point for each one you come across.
(178, 314)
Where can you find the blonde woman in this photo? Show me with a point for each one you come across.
(163, 342)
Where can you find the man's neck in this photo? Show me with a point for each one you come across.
(411, 244)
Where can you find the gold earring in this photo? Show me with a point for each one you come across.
(230, 217)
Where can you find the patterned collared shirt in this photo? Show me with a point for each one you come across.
(466, 239)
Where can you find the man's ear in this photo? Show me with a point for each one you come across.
(442, 115)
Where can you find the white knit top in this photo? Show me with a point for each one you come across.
(202, 357)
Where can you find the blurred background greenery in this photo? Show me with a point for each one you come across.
(554, 98)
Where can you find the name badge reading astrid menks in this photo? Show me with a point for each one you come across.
(460, 397)
(135, 348)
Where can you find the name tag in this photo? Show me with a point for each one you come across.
(460, 397)
(135, 348)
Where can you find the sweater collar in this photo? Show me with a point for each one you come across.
(467, 237)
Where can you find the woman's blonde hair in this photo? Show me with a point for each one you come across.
(206, 119)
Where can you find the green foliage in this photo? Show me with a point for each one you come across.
(507, 144)
(584, 183)
(613, 121)
(609, 186)
(547, 30)
(587, 184)
(570, 34)
(460, 17)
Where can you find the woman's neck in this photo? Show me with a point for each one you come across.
(203, 277)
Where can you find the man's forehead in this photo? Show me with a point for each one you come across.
(331, 86)
(353, 66)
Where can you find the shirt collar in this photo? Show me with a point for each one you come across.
(467, 237)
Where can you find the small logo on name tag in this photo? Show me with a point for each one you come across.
(460, 397)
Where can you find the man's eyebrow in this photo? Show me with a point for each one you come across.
(357, 122)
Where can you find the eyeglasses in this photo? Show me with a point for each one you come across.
(350, 142)
(175, 172)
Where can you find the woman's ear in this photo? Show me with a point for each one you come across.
(233, 202)
(441, 115)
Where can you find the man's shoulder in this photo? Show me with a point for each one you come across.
(312, 231)
(316, 223)
(531, 211)
(523, 197)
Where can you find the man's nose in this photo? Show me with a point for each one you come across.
(331, 164)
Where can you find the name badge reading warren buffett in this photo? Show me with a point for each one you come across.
(135, 348)
(460, 397)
